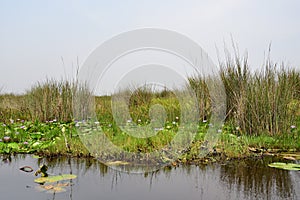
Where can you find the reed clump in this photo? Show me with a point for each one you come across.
(261, 102)
(51, 100)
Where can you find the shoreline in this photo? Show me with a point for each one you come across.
(57, 139)
(219, 158)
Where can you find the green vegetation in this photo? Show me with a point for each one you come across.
(52, 179)
(36, 137)
(262, 115)
(285, 166)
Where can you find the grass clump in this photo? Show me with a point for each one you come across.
(263, 102)
(51, 100)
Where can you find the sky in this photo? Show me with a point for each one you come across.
(42, 40)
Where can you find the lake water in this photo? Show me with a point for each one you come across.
(244, 179)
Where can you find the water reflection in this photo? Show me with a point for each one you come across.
(256, 180)
(244, 179)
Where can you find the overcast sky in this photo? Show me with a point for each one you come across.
(35, 36)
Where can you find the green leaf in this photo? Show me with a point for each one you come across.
(14, 146)
(36, 135)
(36, 156)
(36, 144)
(51, 179)
(285, 166)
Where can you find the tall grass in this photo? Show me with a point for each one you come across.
(47, 101)
(51, 100)
(199, 85)
(13, 107)
(265, 101)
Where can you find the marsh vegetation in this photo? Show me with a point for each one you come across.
(262, 114)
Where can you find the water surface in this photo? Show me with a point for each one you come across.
(245, 179)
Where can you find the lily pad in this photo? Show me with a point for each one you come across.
(285, 166)
(26, 169)
(52, 179)
(51, 188)
(36, 156)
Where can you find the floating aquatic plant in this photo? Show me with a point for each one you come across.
(49, 188)
(285, 166)
(52, 179)
(26, 169)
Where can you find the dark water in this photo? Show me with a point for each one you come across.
(234, 180)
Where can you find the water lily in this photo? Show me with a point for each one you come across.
(6, 138)
(293, 127)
